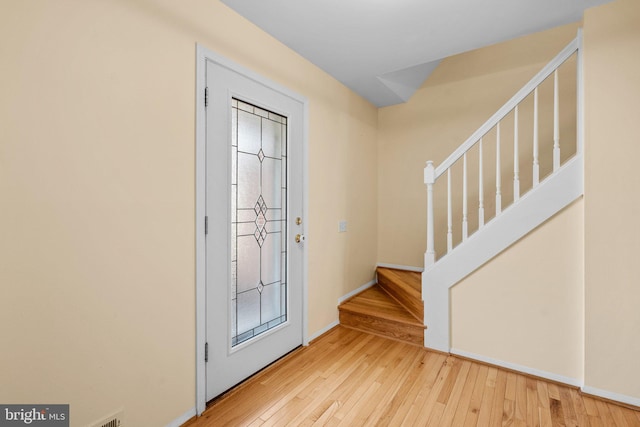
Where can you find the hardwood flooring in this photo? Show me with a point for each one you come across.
(350, 378)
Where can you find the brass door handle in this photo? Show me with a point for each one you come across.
(300, 238)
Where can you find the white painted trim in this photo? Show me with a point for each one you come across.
(202, 55)
(183, 418)
(569, 50)
(305, 227)
(356, 291)
(200, 208)
(580, 150)
(538, 205)
(520, 368)
(324, 330)
(401, 267)
(629, 400)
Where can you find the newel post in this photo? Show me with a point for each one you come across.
(429, 180)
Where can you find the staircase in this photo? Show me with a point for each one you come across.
(392, 308)
(403, 302)
(554, 181)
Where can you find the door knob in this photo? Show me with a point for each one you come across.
(300, 238)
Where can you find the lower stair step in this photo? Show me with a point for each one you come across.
(375, 312)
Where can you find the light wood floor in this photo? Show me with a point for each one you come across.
(350, 378)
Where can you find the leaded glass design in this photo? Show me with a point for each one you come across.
(258, 221)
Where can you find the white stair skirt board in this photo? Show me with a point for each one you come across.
(401, 267)
(535, 207)
(520, 368)
(183, 418)
(635, 401)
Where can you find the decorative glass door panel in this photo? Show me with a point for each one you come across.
(258, 221)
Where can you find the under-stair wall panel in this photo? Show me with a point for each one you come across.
(525, 306)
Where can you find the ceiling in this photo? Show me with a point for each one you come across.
(385, 49)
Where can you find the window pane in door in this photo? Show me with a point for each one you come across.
(259, 214)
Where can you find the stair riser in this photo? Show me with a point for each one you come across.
(399, 332)
(407, 297)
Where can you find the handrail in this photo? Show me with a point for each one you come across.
(559, 59)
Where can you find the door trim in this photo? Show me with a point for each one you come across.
(202, 56)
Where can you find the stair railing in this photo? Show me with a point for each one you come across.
(432, 174)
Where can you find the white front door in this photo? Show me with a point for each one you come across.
(254, 208)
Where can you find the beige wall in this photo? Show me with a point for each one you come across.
(461, 94)
(97, 197)
(526, 306)
(612, 144)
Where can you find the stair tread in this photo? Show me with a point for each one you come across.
(375, 302)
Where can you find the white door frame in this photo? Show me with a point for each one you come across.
(202, 56)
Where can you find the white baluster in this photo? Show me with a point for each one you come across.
(516, 158)
(449, 216)
(429, 180)
(536, 164)
(498, 173)
(480, 188)
(465, 224)
(556, 123)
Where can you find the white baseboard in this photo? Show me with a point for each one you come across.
(324, 330)
(183, 418)
(342, 299)
(611, 395)
(520, 368)
(356, 291)
(401, 267)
